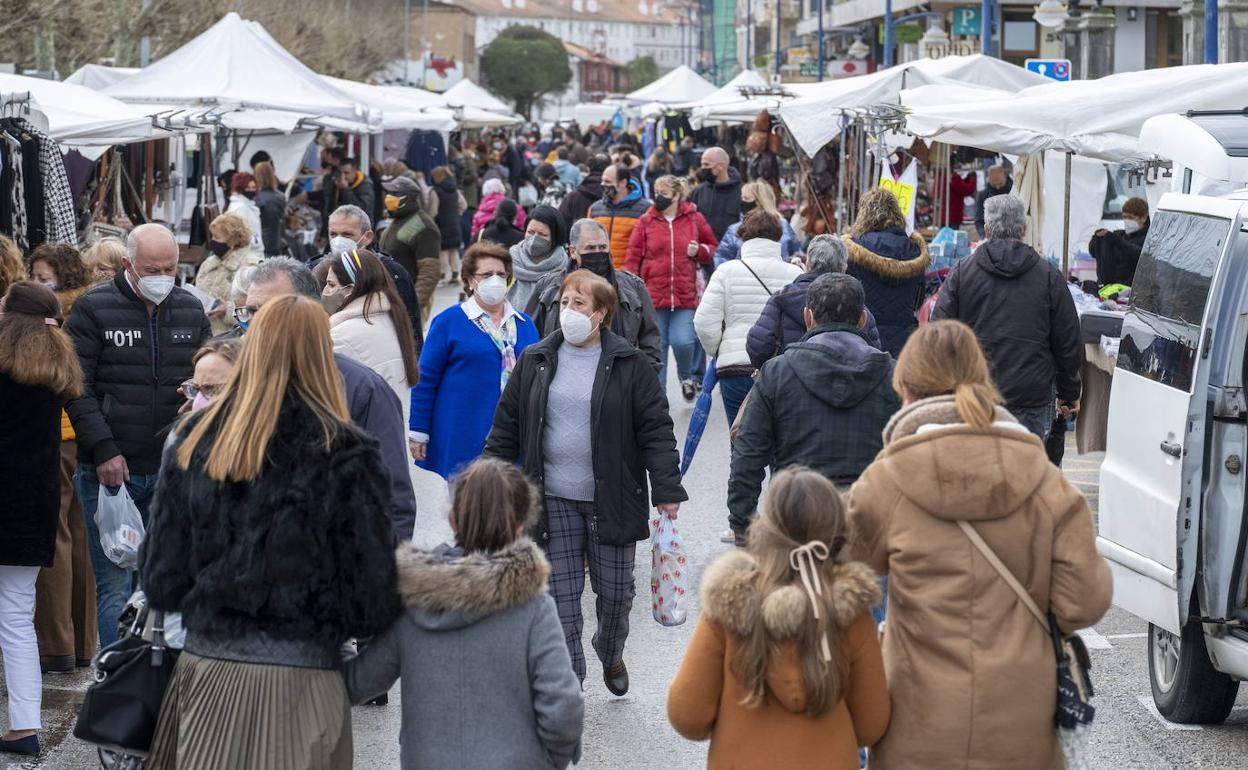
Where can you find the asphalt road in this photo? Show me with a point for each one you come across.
(632, 732)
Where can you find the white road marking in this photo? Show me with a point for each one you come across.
(1147, 702)
(1094, 640)
(1140, 635)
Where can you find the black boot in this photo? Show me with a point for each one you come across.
(616, 678)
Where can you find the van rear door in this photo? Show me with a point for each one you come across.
(1150, 496)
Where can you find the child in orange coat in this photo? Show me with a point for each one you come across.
(784, 668)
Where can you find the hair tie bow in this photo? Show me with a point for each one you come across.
(802, 559)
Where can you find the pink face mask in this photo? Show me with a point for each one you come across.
(200, 401)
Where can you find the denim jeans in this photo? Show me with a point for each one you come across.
(1037, 419)
(113, 585)
(676, 332)
(733, 391)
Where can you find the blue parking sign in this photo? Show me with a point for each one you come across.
(1057, 69)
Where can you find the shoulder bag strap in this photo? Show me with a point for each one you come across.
(770, 293)
(1005, 574)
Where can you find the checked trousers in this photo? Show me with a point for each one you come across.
(610, 575)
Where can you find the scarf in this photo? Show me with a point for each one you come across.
(937, 410)
(528, 271)
(505, 340)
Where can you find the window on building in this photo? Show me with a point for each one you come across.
(1021, 37)
(1163, 39)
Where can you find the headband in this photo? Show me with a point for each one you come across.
(346, 263)
(803, 560)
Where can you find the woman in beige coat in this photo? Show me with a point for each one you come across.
(368, 321)
(971, 672)
(230, 251)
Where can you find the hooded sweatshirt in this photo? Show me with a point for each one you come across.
(487, 680)
(528, 270)
(706, 697)
(1025, 319)
(823, 403)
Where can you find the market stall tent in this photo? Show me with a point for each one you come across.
(466, 93)
(811, 117)
(728, 92)
(98, 76)
(81, 117)
(676, 87)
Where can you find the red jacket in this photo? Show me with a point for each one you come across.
(657, 251)
(955, 206)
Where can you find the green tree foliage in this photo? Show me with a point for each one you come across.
(524, 64)
(642, 71)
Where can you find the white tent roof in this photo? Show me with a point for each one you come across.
(810, 117)
(98, 76)
(466, 93)
(1097, 118)
(236, 62)
(676, 87)
(80, 116)
(730, 91)
(400, 108)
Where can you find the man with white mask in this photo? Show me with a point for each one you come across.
(135, 337)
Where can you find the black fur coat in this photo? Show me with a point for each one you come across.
(304, 552)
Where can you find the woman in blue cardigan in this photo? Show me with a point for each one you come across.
(469, 353)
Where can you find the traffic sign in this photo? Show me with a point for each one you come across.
(1057, 69)
(966, 21)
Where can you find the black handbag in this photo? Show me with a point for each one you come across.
(120, 708)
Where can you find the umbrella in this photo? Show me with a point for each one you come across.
(697, 420)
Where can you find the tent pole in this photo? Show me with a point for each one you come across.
(1066, 222)
(365, 152)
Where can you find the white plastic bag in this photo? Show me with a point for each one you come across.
(669, 583)
(120, 526)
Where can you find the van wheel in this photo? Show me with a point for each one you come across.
(1186, 687)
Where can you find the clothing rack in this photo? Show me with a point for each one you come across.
(15, 104)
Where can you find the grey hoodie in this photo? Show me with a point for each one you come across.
(487, 680)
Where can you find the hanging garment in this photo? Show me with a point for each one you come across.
(9, 149)
(32, 177)
(16, 197)
(58, 211)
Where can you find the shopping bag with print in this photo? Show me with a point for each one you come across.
(120, 526)
(669, 580)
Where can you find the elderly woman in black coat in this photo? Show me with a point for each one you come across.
(38, 373)
(584, 415)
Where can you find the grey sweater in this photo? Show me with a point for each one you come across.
(567, 444)
(487, 681)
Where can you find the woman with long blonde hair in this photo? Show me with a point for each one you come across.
(784, 667)
(269, 532)
(890, 264)
(757, 195)
(971, 670)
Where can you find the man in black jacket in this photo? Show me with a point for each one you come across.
(996, 183)
(135, 337)
(577, 203)
(374, 406)
(718, 194)
(1021, 310)
(823, 403)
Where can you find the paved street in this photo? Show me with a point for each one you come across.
(632, 732)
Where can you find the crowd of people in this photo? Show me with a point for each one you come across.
(263, 420)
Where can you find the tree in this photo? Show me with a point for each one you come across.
(524, 64)
(642, 71)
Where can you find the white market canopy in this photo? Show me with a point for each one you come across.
(810, 117)
(79, 116)
(727, 94)
(466, 93)
(676, 87)
(1099, 119)
(399, 108)
(98, 76)
(236, 64)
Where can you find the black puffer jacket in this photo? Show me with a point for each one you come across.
(635, 319)
(1024, 317)
(891, 266)
(577, 203)
(719, 202)
(630, 430)
(234, 557)
(130, 395)
(823, 403)
(448, 213)
(30, 472)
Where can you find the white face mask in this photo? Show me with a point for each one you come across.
(1130, 226)
(340, 243)
(576, 326)
(156, 287)
(492, 290)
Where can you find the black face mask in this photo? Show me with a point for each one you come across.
(661, 202)
(608, 192)
(596, 262)
(249, 194)
(218, 248)
(748, 206)
(706, 175)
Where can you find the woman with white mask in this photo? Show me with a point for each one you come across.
(468, 357)
(584, 415)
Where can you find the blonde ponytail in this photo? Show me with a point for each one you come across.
(976, 403)
(944, 358)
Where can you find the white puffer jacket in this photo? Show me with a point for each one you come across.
(735, 298)
(374, 343)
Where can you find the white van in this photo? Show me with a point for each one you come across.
(1172, 496)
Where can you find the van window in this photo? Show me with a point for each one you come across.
(1161, 334)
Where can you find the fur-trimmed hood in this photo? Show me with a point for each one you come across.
(886, 266)
(730, 598)
(446, 589)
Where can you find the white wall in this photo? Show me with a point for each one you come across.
(1129, 40)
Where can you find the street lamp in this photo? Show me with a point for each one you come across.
(1051, 14)
(935, 34)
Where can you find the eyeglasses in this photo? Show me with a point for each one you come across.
(191, 389)
(483, 276)
(244, 314)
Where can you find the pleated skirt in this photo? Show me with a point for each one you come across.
(220, 714)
